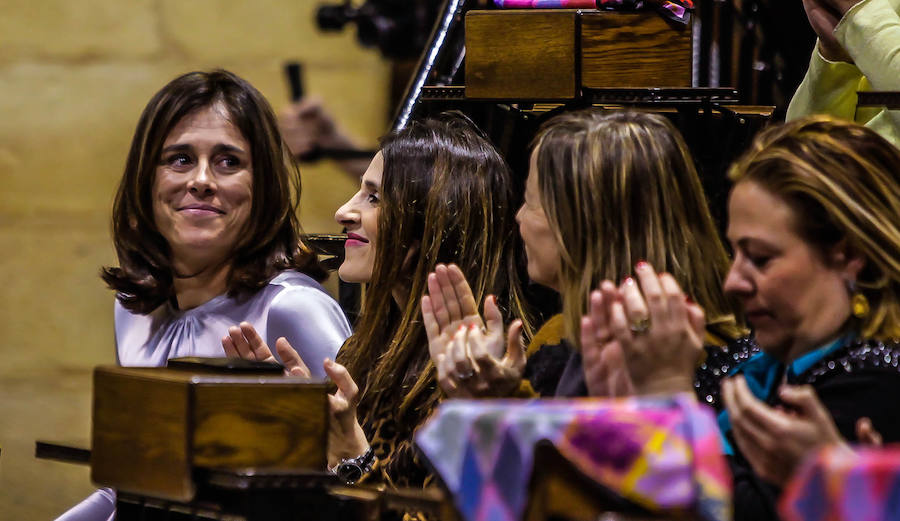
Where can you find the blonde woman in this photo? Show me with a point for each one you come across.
(814, 219)
(605, 191)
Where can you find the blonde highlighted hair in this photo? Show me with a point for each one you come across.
(618, 188)
(840, 180)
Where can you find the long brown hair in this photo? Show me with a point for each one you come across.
(270, 242)
(840, 180)
(620, 187)
(446, 197)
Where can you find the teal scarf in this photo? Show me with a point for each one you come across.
(763, 374)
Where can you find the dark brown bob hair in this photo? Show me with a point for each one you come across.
(270, 242)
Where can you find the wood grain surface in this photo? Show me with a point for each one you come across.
(525, 54)
(634, 50)
(153, 426)
(544, 55)
(139, 439)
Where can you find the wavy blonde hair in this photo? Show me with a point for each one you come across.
(620, 187)
(840, 179)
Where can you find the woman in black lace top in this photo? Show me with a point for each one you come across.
(814, 220)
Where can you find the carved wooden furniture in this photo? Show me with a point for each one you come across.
(552, 54)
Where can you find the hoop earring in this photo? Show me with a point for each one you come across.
(859, 304)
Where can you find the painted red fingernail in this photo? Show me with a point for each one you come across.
(629, 280)
(641, 263)
(462, 327)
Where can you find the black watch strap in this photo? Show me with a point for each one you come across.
(352, 470)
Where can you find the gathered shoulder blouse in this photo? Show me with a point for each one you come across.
(292, 305)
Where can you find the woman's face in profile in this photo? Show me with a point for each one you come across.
(359, 216)
(540, 242)
(795, 298)
(202, 189)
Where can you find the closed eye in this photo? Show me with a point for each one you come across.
(759, 261)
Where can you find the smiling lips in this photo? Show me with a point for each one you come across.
(201, 209)
(355, 240)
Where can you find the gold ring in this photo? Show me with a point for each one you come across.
(640, 326)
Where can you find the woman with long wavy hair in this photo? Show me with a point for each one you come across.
(605, 191)
(437, 192)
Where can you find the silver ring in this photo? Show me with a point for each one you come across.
(465, 376)
(640, 326)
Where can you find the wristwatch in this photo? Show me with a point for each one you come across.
(352, 469)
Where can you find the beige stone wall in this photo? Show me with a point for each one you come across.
(74, 77)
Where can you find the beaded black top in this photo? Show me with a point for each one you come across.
(719, 361)
(858, 355)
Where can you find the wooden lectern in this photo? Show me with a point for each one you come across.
(217, 439)
(153, 426)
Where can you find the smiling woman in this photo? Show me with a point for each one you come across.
(359, 216)
(206, 233)
(203, 188)
(438, 192)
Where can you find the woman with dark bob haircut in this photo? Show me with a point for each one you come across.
(437, 192)
(205, 228)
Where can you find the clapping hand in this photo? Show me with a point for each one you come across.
(346, 438)
(648, 324)
(775, 441)
(471, 355)
(244, 342)
(605, 372)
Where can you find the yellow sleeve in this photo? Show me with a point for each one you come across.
(828, 88)
(870, 33)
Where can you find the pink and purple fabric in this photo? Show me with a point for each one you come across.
(677, 10)
(661, 453)
(842, 485)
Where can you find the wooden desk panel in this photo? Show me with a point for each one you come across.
(631, 50)
(551, 54)
(527, 54)
(154, 426)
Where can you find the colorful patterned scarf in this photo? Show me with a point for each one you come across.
(842, 485)
(660, 453)
(677, 10)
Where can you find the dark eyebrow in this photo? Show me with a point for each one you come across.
(218, 149)
(222, 147)
(177, 148)
(371, 186)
